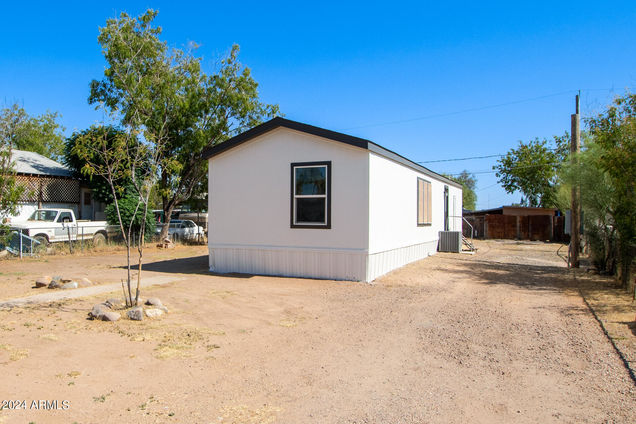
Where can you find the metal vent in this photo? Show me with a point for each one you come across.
(450, 241)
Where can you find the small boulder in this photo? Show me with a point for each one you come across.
(43, 281)
(99, 310)
(153, 312)
(110, 316)
(69, 285)
(85, 282)
(54, 284)
(136, 313)
(154, 301)
(114, 303)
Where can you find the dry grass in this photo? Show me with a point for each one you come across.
(223, 294)
(180, 342)
(51, 337)
(15, 354)
(242, 414)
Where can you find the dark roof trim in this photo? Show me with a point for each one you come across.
(282, 122)
(320, 132)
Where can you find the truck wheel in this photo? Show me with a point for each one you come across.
(99, 239)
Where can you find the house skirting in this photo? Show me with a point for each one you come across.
(332, 264)
(386, 261)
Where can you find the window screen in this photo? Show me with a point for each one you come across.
(311, 197)
(424, 210)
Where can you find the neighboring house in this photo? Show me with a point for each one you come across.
(515, 222)
(49, 184)
(291, 199)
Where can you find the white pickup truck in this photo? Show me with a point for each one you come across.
(54, 225)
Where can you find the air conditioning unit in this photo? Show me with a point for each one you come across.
(450, 241)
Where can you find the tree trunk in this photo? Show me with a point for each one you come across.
(167, 211)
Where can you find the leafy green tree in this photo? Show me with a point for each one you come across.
(99, 185)
(40, 134)
(131, 215)
(117, 157)
(615, 133)
(181, 110)
(532, 168)
(10, 190)
(469, 183)
(599, 201)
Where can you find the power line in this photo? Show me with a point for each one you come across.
(474, 109)
(458, 159)
(513, 168)
(475, 157)
(485, 188)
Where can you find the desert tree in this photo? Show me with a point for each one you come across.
(532, 168)
(183, 113)
(38, 133)
(113, 157)
(10, 190)
(614, 131)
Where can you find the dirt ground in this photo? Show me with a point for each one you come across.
(496, 337)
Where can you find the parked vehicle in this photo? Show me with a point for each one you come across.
(56, 225)
(184, 229)
(199, 218)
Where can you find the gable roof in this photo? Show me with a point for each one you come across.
(35, 164)
(362, 143)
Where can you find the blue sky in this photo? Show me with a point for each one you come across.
(428, 80)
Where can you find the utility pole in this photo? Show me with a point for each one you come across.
(575, 209)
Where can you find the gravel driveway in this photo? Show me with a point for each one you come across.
(498, 337)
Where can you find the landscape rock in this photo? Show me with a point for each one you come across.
(114, 303)
(57, 278)
(110, 316)
(43, 281)
(154, 301)
(55, 284)
(99, 310)
(3, 253)
(69, 285)
(136, 313)
(83, 283)
(153, 312)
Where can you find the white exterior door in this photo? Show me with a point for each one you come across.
(87, 204)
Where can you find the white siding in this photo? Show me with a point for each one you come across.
(395, 239)
(373, 210)
(249, 206)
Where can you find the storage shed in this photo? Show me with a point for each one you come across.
(291, 199)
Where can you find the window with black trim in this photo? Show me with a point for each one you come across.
(424, 207)
(311, 195)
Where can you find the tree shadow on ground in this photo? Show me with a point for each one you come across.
(531, 277)
(189, 265)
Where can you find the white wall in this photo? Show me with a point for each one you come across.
(249, 208)
(395, 239)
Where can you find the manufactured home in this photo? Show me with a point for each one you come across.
(291, 199)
